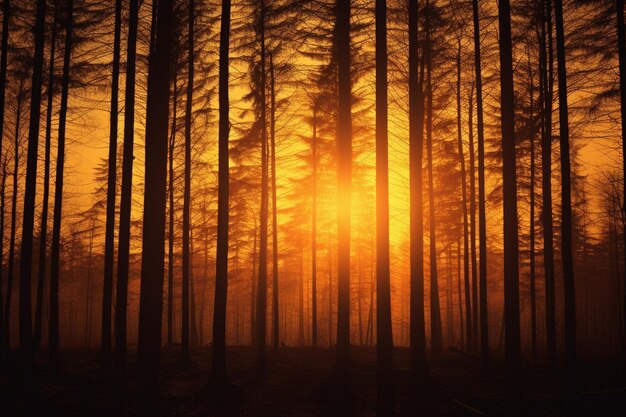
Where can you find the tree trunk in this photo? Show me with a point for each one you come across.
(314, 230)
(26, 256)
(384, 339)
(509, 191)
(16, 166)
(621, 47)
(187, 192)
(566, 200)
(153, 243)
(261, 315)
(532, 278)
(482, 213)
(170, 236)
(472, 204)
(416, 148)
(275, 306)
(43, 235)
(4, 47)
(109, 240)
(435, 312)
(466, 271)
(221, 260)
(546, 178)
(123, 249)
(344, 190)
(58, 195)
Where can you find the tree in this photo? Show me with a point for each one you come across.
(621, 47)
(384, 342)
(221, 268)
(261, 320)
(416, 147)
(482, 214)
(26, 336)
(547, 62)
(187, 192)
(344, 188)
(466, 270)
(153, 242)
(121, 290)
(435, 315)
(566, 199)
(511, 257)
(109, 244)
(43, 234)
(58, 193)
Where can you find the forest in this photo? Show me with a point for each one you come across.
(312, 208)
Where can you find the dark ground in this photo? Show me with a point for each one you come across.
(297, 385)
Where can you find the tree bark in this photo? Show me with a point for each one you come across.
(58, 194)
(546, 178)
(26, 256)
(187, 192)
(43, 234)
(275, 290)
(466, 268)
(416, 148)
(261, 316)
(123, 250)
(109, 239)
(314, 230)
(482, 213)
(384, 339)
(435, 312)
(221, 264)
(153, 242)
(621, 48)
(509, 190)
(566, 200)
(344, 175)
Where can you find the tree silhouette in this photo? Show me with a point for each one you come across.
(153, 249)
(221, 273)
(109, 244)
(511, 257)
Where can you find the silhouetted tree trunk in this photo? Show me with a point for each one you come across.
(472, 204)
(170, 235)
(532, 278)
(26, 256)
(344, 190)
(123, 249)
(621, 47)
(4, 50)
(261, 315)
(509, 191)
(546, 181)
(14, 197)
(275, 305)
(43, 234)
(58, 194)
(187, 192)
(482, 213)
(384, 340)
(416, 148)
(109, 238)
(314, 229)
(566, 199)
(466, 270)
(3, 346)
(221, 274)
(153, 243)
(435, 312)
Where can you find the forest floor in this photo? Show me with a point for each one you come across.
(297, 384)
